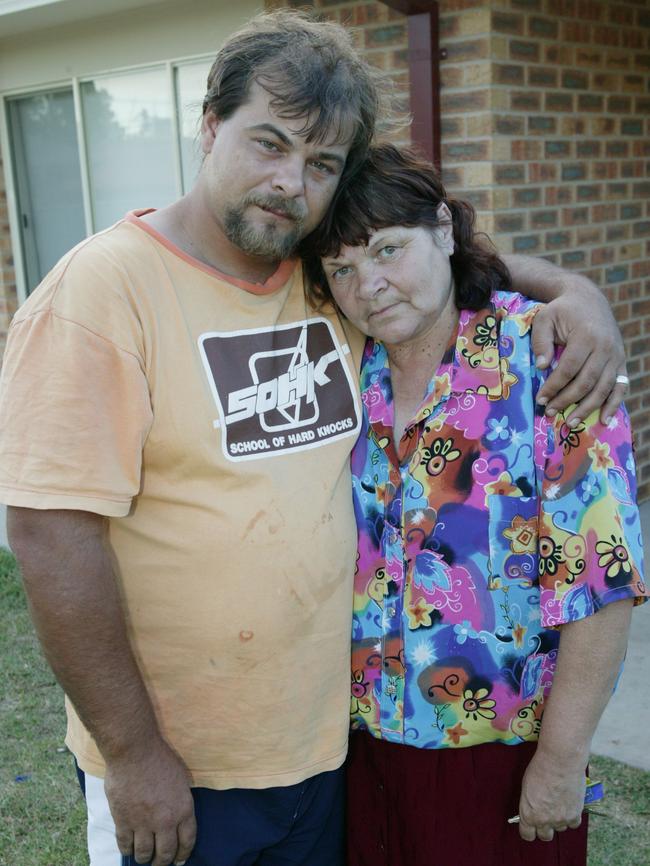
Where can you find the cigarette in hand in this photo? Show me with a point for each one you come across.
(593, 793)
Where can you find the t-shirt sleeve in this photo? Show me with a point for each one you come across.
(75, 412)
(590, 548)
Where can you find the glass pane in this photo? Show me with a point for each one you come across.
(128, 125)
(191, 84)
(48, 178)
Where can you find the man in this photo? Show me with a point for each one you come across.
(176, 426)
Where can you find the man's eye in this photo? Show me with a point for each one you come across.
(387, 252)
(322, 167)
(267, 145)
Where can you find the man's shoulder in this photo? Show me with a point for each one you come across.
(101, 285)
(97, 269)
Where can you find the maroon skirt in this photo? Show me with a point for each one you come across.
(444, 807)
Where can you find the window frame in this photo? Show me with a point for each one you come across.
(74, 83)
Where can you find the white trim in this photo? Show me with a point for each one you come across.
(103, 73)
(176, 130)
(10, 7)
(34, 90)
(89, 219)
(15, 230)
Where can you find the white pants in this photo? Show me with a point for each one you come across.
(102, 847)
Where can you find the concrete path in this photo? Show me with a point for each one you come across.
(624, 730)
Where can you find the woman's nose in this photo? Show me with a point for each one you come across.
(371, 282)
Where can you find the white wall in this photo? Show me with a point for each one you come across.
(183, 28)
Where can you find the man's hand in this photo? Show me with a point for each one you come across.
(552, 798)
(152, 806)
(582, 321)
(67, 567)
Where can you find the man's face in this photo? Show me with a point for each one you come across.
(265, 185)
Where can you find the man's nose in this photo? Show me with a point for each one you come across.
(289, 177)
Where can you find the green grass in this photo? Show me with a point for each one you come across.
(42, 817)
(621, 835)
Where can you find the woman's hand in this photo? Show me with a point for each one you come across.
(582, 321)
(552, 798)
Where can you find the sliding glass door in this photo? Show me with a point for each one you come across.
(47, 179)
(139, 149)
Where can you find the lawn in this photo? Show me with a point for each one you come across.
(41, 809)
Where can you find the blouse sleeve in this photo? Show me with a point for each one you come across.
(590, 546)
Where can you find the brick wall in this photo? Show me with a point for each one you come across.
(8, 298)
(546, 129)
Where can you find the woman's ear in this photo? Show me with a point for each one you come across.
(444, 232)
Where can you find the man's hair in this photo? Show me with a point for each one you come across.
(312, 72)
(395, 187)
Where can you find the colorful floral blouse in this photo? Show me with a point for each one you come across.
(487, 525)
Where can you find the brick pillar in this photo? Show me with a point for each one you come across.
(8, 297)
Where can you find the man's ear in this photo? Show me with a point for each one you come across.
(209, 124)
(444, 233)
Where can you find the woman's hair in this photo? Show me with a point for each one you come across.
(395, 187)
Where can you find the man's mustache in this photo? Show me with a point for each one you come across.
(286, 206)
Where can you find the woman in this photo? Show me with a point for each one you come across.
(499, 549)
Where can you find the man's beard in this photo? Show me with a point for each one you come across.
(267, 241)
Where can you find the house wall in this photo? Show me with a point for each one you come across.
(545, 128)
(143, 35)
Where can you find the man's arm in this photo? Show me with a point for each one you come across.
(578, 317)
(68, 574)
(589, 659)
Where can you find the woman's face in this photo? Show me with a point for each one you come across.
(396, 287)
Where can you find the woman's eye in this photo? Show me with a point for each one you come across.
(387, 252)
(267, 145)
(341, 273)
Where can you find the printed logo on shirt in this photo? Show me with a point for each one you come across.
(280, 389)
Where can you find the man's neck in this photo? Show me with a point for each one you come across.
(187, 225)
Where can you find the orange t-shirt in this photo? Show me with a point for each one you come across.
(211, 421)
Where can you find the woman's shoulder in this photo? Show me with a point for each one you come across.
(513, 303)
